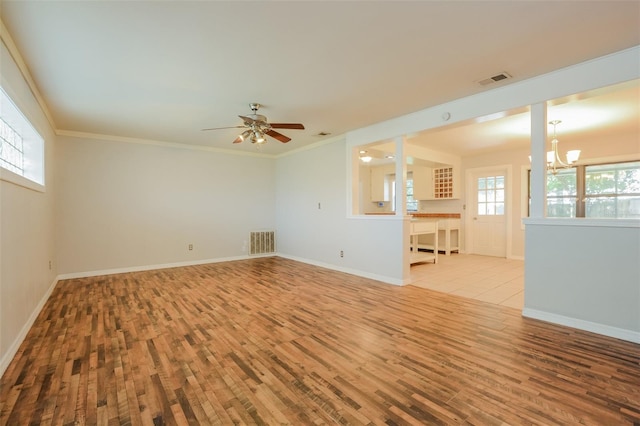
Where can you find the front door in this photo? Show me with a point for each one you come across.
(488, 224)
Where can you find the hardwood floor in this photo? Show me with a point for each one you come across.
(273, 341)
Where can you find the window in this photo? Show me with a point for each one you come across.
(412, 204)
(612, 190)
(11, 149)
(21, 147)
(562, 193)
(596, 191)
(490, 196)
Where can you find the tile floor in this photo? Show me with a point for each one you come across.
(490, 279)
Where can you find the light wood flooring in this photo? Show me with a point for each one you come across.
(277, 342)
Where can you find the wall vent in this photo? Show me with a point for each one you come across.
(262, 242)
(494, 79)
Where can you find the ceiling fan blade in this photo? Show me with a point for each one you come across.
(282, 138)
(297, 126)
(238, 139)
(220, 128)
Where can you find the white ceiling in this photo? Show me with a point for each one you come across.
(593, 116)
(164, 70)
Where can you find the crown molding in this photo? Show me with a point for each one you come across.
(7, 40)
(126, 139)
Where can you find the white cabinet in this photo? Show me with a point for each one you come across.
(445, 183)
(435, 184)
(379, 184)
(450, 230)
(422, 183)
(448, 236)
(423, 227)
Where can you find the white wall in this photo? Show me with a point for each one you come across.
(372, 247)
(585, 276)
(26, 228)
(127, 205)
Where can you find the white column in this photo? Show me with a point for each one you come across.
(538, 160)
(401, 176)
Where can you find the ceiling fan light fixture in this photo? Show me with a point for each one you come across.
(258, 128)
(244, 135)
(258, 137)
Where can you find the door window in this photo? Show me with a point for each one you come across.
(490, 196)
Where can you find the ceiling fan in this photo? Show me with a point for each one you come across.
(257, 127)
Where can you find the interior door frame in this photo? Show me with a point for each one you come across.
(506, 170)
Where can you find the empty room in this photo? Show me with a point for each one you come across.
(309, 212)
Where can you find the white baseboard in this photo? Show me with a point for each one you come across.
(152, 267)
(605, 330)
(13, 349)
(384, 279)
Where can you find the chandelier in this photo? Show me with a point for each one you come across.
(553, 157)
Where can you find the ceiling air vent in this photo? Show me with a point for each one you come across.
(494, 79)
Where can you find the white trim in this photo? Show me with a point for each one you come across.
(16, 179)
(385, 279)
(142, 268)
(126, 139)
(13, 349)
(605, 330)
(581, 221)
(24, 70)
(376, 277)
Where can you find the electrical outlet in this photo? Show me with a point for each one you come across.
(50, 265)
(341, 253)
(190, 247)
(319, 206)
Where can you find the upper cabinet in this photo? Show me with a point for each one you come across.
(444, 185)
(379, 184)
(423, 183)
(435, 183)
(439, 173)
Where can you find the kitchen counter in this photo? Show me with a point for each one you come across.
(448, 226)
(424, 215)
(436, 215)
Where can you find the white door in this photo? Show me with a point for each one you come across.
(488, 224)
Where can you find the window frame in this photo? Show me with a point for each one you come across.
(32, 175)
(581, 195)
